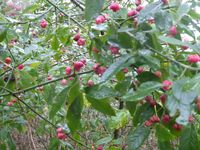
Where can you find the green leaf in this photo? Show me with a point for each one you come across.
(26, 80)
(123, 86)
(144, 89)
(104, 140)
(142, 113)
(59, 101)
(147, 76)
(163, 20)
(183, 10)
(181, 100)
(74, 90)
(149, 11)
(54, 43)
(163, 134)
(74, 113)
(54, 144)
(137, 137)
(93, 8)
(174, 41)
(101, 105)
(189, 139)
(118, 121)
(164, 145)
(100, 92)
(3, 32)
(49, 92)
(115, 67)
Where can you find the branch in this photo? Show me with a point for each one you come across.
(77, 4)
(75, 21)
(45, 83)
(43, 118)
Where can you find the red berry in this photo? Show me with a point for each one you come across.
(59, 130)
(9, 103)
(20, 67)
(165, 2)
(100, 147)
(139, 8)
(102, 70)
(148, 98)
(77, 37)
(115, 7)
(177, 127)
(8, 60)
(154, 119)
(43, 23)
(125, 70)
(78, 65)
(163, 98)
(166, 118)
(193, 58)
(14, 100)
(81, 42)
(96, 68)
(90, 83)
(63, 82)
(166, 85)
(95, 50)
(114, 50)
(61, 136)
(100, 19)
(140, 70)
(198, 105)
(68, 70)
(152, 103)
(138, 2)
(148, 123)
(132, 13)
(71, 78)
(191, 118)
(49, 77)
(173, 31)
(158, 74)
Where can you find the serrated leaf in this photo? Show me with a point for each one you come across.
(163, 134)
(101, 105)
(137, 137)
(189, 139)
(93, 8)
(144, 89)
(115, 67)
(74, 113)
(59, 101)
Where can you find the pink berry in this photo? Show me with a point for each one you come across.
(9, 103)
(166, 118)
(59, 130)
(115, 7)
(43, 23)
(155, 119)
(78, 65)
(10, 4)
(61, 136)
(63, 82)
(177, 127)
(140, 70)
(100, 147)
(166, 85)
(132, 13)
(102, 70)
(14, 100)
(148, 123)
(191, 118)
(114, 50)
(193, 58)
(71, 78)
(49, 77)
(95, 50)
(163, 98)
(20, 67)
(90, 83)
(165, 2)
(77, 36)
(125, 70)
(68, 70)
(100, 19)
(18, 8)
(158, 74)
(173, 31)
(81, 42)
(139, 8)
(185, 39)
(138, 2)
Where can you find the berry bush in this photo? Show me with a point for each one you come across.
(100, 74)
